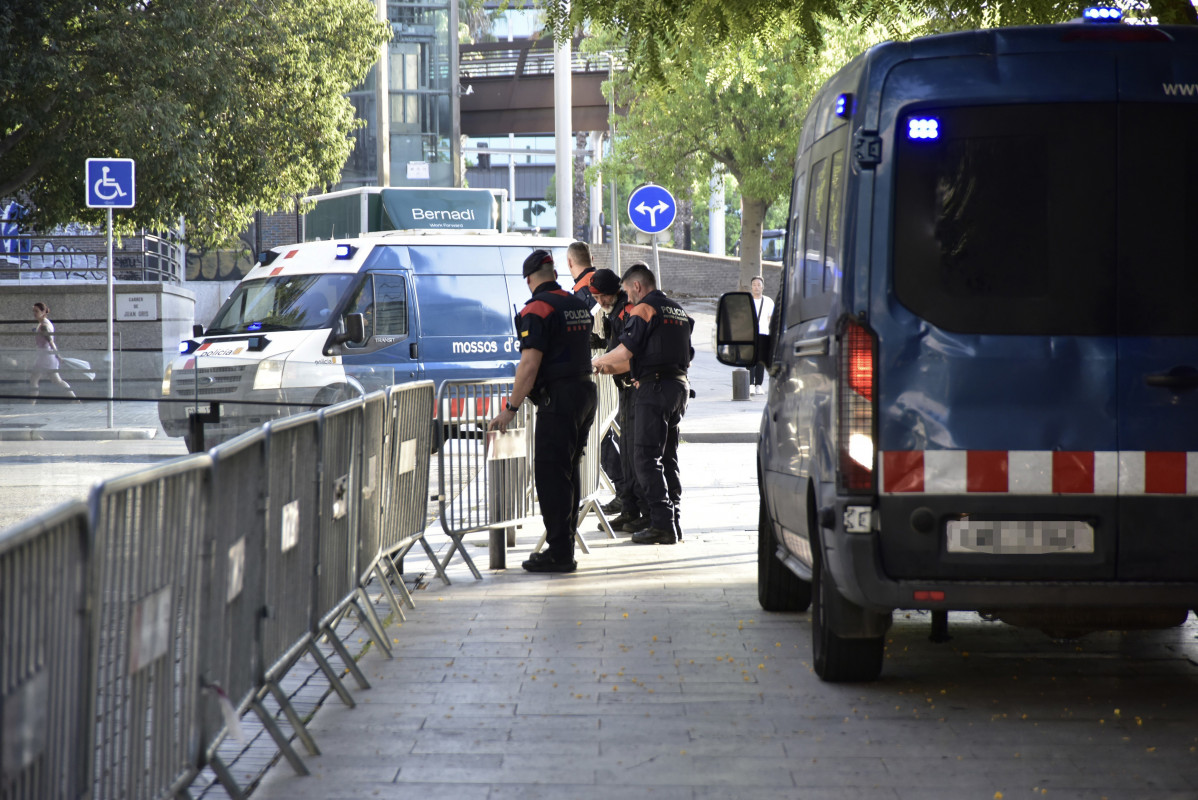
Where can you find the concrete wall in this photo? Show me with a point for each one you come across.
(686, 273)
(142, 347)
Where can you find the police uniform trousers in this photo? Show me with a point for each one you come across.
(564, 421)
(659, 406)
(631, 500)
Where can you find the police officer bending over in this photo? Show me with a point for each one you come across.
(656, 347)
(554, 373)
(633, 510)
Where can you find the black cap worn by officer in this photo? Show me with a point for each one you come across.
(554, 330)
(655, 347)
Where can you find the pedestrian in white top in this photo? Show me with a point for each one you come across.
(45, 366)
(765, 309)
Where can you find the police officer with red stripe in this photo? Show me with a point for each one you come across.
(554, 328)
(578, 259)
(655, 346)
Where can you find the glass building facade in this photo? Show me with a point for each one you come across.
(416, 83)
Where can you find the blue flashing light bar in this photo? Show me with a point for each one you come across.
(1102, 14)
(844, 105)
(923, 128)
(346, 251)
(254, 326)
(187, 346)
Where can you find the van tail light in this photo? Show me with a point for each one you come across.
(855, 408)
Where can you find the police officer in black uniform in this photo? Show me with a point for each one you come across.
(631, 506)
(554, 373)
(656, 347)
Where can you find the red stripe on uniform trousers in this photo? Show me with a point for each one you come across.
(1164, 473)
(986, 471)
(1072, 472)
(902, 471)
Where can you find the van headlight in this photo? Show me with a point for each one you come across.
(166, 380)
(269, 375)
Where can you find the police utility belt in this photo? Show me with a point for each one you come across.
(540, 393)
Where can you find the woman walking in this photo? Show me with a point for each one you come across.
(45, 367)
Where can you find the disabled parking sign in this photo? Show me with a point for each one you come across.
(110, 183)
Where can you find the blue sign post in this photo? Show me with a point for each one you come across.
(110, 183)
(651, 209)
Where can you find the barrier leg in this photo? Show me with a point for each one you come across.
(432, 556)
(498, 548)
(371, 621)
(281, 742)
(399, 584)
(458, 547)
(582, 545)
(226, 779)
(386, 584)
(289, 711)
(350, 664)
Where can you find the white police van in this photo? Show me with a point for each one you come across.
(319, 322)
(984, 390)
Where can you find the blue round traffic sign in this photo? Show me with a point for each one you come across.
(651, 209)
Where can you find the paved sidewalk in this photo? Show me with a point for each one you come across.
(60, 420)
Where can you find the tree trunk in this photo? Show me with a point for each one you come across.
(684, 223)
(752, 214)
(582, 210)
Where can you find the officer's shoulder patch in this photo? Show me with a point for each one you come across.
(644, 311)
(538, 308)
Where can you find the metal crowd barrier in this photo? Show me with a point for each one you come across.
(148, 531)
(45, 637)
(124, 660)
(472, 496)
(486, 480)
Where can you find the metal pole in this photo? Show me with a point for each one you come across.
(563, 101)
(657, 264)
(111, 360)
(615, 213)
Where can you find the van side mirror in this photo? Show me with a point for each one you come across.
(197, 331)
(355, 330)
(736, 330)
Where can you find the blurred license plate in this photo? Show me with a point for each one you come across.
(1020, 537)
(199, 408)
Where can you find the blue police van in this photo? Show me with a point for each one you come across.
(984, 370)
(318, 322)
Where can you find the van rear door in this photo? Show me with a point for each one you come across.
(1158, 322)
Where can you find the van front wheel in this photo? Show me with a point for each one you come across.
(838, 659)
(778, 589)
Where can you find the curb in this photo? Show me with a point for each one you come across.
(82, 434)
(726, 437)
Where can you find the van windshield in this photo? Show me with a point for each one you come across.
(282, 303)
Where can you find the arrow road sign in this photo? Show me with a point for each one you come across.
(651, 209)
(110, 183)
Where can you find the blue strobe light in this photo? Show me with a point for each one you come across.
(923, 128)
(1102, 14)
(844, 105)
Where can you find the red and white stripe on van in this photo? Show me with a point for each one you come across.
(1134, 472)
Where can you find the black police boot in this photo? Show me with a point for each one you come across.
(543, 562)
(617, 523)
(655, 536)
(635, 524)
(614, 507)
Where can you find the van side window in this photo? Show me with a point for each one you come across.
(794, 274)
(391, 305)
(832, 239)
(383, 303)
(817, 220)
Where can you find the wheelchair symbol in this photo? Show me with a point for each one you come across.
(107, 188)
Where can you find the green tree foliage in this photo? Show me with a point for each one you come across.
(739, 105)
(657, 30)
(227, 106)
